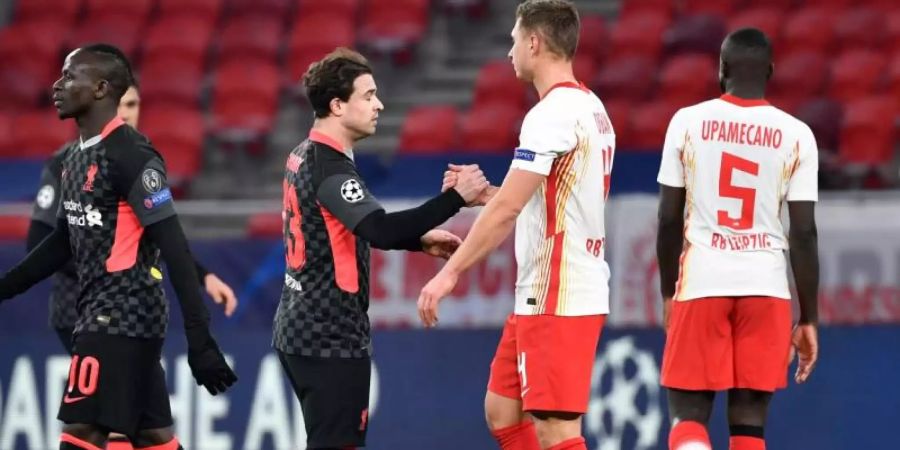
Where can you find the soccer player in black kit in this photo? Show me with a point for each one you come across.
(321, 329)
(115, 219)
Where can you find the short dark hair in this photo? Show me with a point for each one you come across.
(747, 53)
(332, 77)
(556, 20)
(113, 66)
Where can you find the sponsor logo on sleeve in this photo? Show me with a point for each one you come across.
(524, 155)
(152, 181)
(159, 198)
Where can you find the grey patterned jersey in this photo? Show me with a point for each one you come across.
(112, 186)
(324, 304)
(64, 290)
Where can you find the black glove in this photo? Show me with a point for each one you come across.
(207, 362)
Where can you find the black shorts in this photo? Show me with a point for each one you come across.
(117, 383)
(66, 337)
(334, 396)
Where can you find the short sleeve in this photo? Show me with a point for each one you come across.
(804, 183)
(146, 189)
(346, 197)
(46, 203)
(547, 133)
(671, 169)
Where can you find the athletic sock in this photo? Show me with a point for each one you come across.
(517, 437)
(689, 435)
(570, 444)
(746, 437)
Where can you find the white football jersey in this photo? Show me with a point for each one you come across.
(560, 234)
(739, 160)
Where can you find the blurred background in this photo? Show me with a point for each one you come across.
(221, 100)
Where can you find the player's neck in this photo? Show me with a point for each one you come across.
(335, 131)
(91, 123)
(551, 74)
(748, 92)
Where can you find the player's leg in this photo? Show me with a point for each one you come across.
(155, 429)
(334, 397)
(762, 336)
(697, 361)
(81, 436)
(512, 429)
(156, 439)
(556, 358)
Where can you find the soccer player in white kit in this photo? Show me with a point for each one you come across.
(554, 195)
(728, 166)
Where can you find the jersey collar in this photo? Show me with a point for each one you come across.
(116, 122)
(744, 102)
(567, 84)
(324, 139)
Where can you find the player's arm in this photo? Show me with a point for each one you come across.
(218, 290)
(141, 180)
(46, 258)
(669, 237)
(46, 205)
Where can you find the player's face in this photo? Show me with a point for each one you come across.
(520, 53)
(130, 107)
(360, 112)
(74, 91)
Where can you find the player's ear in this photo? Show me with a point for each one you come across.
(101, 89)
(336, 106)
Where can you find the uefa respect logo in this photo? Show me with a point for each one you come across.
(625, 410)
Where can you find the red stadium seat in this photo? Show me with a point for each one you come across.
(893, 80)
(639, 33)
(856, 74)
(429, 129)
(177, 133)
(7, 143)
(688, 79)
(892, 30)
(497, 82)
(649, 123)
(255, 35)
(834, 4)
(824, 119)
(490, 128)
(313, 37)
(245, 97)
(391, 29)
(38, 38)
(593, 41)
(721, 8)
(630, 7)
(860, 27)
(207, 10)
(179, 37)
(781, 5)
(171, 81)
(345, 8)
(136, 10)
(585, 68)
(701, 33)
(866, 137)
(768, 19)
(14, 228)
(117, 30)
(38, 133)
(619, 112)
(786, 102)
(28, 82)
(628, 77)
(809, 29)
(279, 8)
(63, 10)
(265, 225)
(800, 74)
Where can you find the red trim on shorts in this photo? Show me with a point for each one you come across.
(68, 438)
(322, 138)
(124, 250)
(171, 445)
(343, 250)
(744, 102)
(567, 84)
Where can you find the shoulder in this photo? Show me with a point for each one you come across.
(331, 161)
(127, 146)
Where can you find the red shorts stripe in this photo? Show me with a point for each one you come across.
(721, 343)
(547, 361)
(68, 438)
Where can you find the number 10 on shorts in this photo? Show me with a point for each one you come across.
(523, 376)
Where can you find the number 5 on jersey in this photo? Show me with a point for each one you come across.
(746, 195)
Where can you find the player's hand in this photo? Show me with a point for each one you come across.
(221, 293)
(805, 345)
(470, 182)
(436, 289)
(451, 177)
(208, 363)
(667, 313)
(440, 243)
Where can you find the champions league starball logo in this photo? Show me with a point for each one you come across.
(625, 411)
